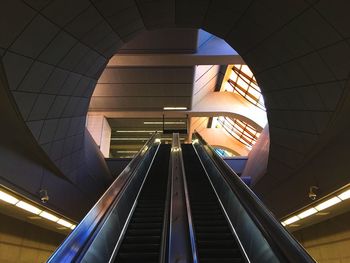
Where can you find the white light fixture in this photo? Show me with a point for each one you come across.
(129, 139)
(307, 213)
(195, 141)
(127, 151)
(291, 220)
(344, 195)
(64, 223)
(49, 216)
(138, 131)
(160, 122)
(175, 108)
(28, 207)
(157, 140)
(328, 203)
(8, 198)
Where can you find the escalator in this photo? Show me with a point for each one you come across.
(179, 203)
(214, 240)
(142, 240)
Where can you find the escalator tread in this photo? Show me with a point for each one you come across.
(142, 240)
(214, 239)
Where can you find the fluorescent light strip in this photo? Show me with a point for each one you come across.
(138, 131)
(344, 195)
(160, 122)
(127, 151)
(291, 220)
(49, 216)
(65, 223)
(322, 206)
(175, 108)
(328, 203)
(28, 207)
(307, 213)
(129, 139)
(8, 198)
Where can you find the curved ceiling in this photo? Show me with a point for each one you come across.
(54, 51)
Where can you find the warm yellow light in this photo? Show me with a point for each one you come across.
(49, 216)
(160, 122)
(344, 195)
(307, 213)
(291, 220)
(175, 108)
(328, 203)
(195, 141)
(72, 227)
(28, 207)
(137, 131)
(157, 140)
(8, 198)
(64, 223)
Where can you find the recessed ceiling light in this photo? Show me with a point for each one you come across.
(307, 213)
(138, 131)
(344, 195)
(291, 220)
(129, 139)
(160, 122)
(49, 216)
(328, 203)
(175, 108)
(64, 223)
(8, 198)
(28, 207)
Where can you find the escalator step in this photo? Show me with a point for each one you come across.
(214, 239)
(142, 240)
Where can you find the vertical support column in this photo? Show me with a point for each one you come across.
(101, 132)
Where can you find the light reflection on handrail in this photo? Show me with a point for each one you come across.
(189, 213)
(75, 243)
(274, 232)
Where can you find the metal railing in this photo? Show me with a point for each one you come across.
(180, 246)
(77, 243)
(283, 245)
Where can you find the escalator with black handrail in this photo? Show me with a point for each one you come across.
(179, 203)
(214, 240)
(142, 240)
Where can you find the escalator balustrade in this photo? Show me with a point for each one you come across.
(214, 240)
(142, 240)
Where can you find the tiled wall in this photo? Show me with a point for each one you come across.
(21, 242)
(329, 241)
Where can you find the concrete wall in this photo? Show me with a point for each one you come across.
(116, 166)
(73, 166)
(258, 157)
(329, 241)
(21, 242)
(100, 131)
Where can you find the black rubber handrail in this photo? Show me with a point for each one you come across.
(81, 236)
(276, 235)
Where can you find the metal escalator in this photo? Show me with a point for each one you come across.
(182, 204)
(143, 237)
(215, 241)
